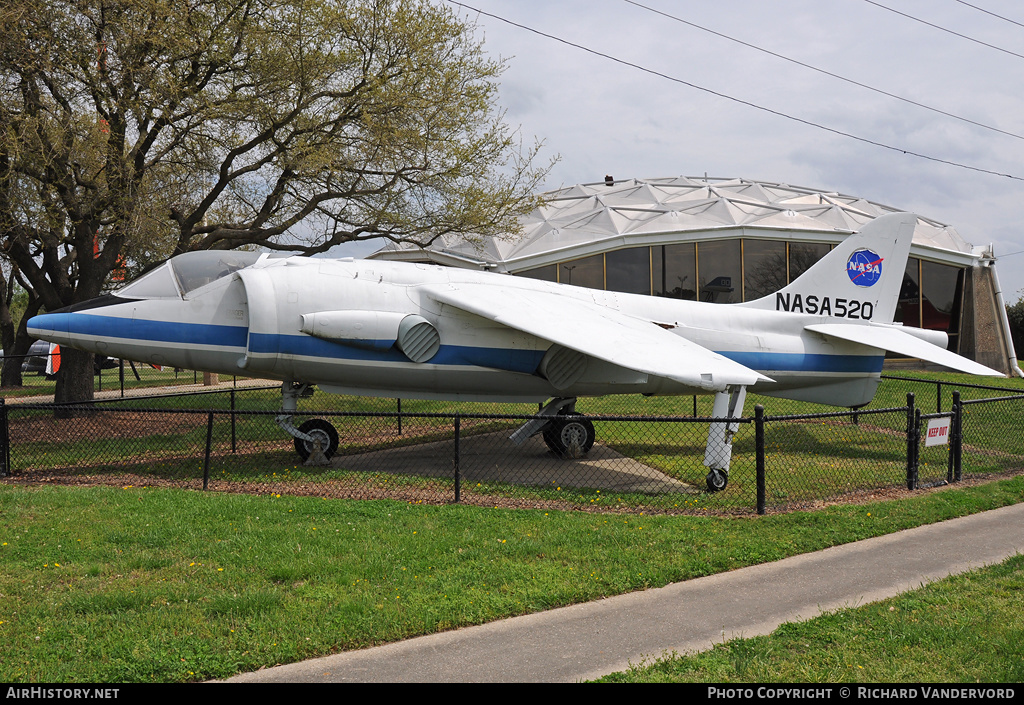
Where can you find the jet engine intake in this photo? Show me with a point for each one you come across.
(418, 338)
(562, 366)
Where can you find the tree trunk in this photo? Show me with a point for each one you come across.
(14, 357)
(10, 374)
(74, 380)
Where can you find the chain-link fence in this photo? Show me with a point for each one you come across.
(991, 433)
(433, 452)
(110, 375)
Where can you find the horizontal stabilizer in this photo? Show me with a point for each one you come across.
(600, 332)
(902, 343)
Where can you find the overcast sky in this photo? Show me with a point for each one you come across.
(604, 117)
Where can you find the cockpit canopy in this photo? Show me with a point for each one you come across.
(180, 275)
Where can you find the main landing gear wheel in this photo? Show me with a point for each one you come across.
(717, 480)
(570, 436)
(321, 430)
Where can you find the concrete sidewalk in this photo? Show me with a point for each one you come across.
(590, 640)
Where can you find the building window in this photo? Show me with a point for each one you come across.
(629, 270)
(720, 272)
(942, 288)
(908, 311)
(804, 254)
(588, 272)
(765, 268)
(938, 295)
(931, 297)
(674, 271)
(548, 273)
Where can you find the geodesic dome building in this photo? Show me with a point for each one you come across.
(730, 240)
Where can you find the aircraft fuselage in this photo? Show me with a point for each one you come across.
(335, 323)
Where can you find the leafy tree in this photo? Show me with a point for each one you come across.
(131, 130)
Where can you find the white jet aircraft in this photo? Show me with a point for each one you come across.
(422, 331)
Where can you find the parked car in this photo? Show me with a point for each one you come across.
(35, 361)
(39, 351)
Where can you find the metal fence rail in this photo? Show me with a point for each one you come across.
(640, 463)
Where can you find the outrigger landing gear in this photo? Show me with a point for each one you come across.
(717, 480)
(569, 437)
(566, 433)
(718, 452)
(316, 440)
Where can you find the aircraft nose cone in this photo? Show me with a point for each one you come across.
(46, 323)
(72, 325)
(52, 327)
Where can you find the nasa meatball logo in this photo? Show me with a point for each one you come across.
(864, 268)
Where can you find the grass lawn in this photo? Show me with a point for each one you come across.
(157, 585)
(139, 584)
(964, 629)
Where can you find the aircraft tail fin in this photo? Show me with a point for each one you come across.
(859, 279)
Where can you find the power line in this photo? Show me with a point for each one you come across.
(724, 96)
(943, 29)
(823, 71)
(989, 12)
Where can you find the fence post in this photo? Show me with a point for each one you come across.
(233, 438)
(912, 477)
(399, 416)
(958, 436)
(5, 438)
(911, 439)
(458, 479)
(120, 374)
(938, 397)
(759, 450)
(206, 459)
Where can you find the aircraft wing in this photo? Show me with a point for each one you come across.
(898, 341)
(600, 332)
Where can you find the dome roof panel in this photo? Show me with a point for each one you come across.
(577, 217)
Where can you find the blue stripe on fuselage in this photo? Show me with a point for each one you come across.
(806, 362)
(85, 324)
(309, 346)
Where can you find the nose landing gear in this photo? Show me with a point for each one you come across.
(321, 437)
(316, 440)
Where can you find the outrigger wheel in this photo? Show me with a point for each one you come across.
(569, 436)
(324, 432)
(717, 480)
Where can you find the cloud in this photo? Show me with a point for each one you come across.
(607, 118)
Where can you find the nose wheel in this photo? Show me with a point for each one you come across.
(316, 432)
